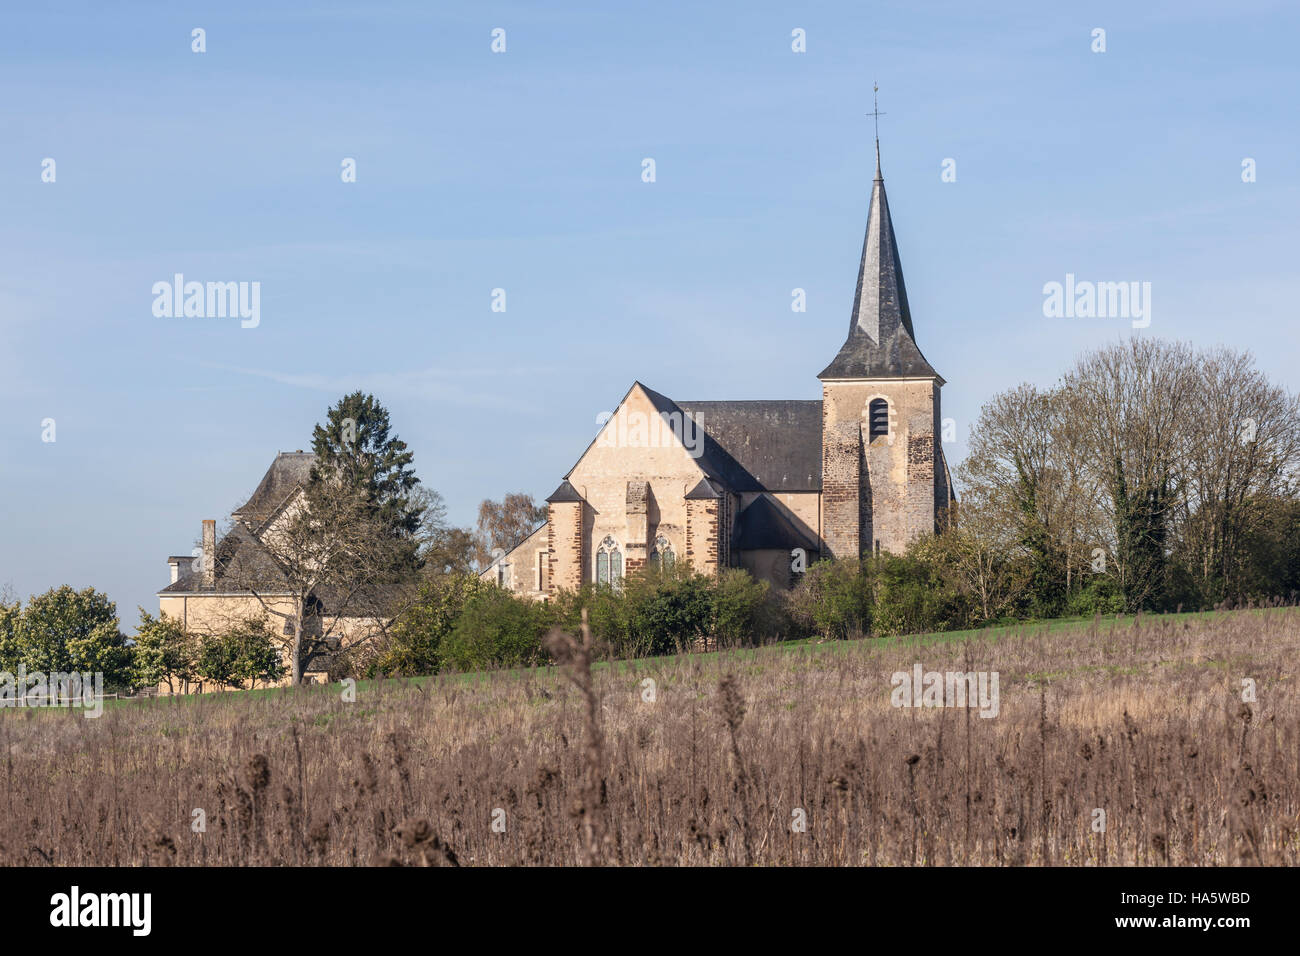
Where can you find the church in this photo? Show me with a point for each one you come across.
(769, 486)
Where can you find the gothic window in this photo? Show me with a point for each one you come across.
(609, 562)
(662, 557)
(877, 419)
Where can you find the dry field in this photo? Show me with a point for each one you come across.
(1145, 722)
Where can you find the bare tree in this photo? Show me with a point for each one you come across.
(330, 572)
(503, 524)
(1132, 403)
(980, 548)
(1242, 452)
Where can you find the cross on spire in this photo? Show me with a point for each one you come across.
(876, 114)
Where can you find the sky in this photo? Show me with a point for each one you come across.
(522, 171)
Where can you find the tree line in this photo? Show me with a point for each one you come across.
(1151, 476)
(69, 631)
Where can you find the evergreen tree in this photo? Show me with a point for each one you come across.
(355, 452)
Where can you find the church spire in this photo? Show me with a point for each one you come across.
(881, 343)
(876, 114)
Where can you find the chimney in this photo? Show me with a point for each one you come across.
(209, 553)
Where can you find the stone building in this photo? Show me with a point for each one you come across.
(208, 594)
(751, 483)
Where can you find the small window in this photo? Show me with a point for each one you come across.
(877, 419)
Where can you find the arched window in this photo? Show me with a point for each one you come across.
(609, 562)
(877, 419)
(662, 557)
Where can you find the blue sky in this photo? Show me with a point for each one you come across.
(522, 171)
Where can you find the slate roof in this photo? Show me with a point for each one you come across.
(881, 342)
(566, 492)
(704, 491)
(240, 558)
(288, 471)
(764, 525)
(755, 445)
(777, 444)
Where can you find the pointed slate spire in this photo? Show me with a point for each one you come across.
(881, 343)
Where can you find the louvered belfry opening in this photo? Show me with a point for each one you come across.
(877, 419)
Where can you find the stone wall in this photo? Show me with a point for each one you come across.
(896, 488)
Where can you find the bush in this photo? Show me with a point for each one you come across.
(1101, 595)
(415, 646)
(648, 612)
(669, 610)
(742, 613)
(496, 629)
(248, 652)
(913, 596)
(832, 599)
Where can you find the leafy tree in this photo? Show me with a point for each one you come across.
(10, 647)
(257, 655)
(164, 651)
(66, 630)
(415, 645)
(219, 660)
(245, 652)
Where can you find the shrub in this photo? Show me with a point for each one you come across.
(742, 613)
(496, 629)
(913, 596)
(833, 599)
(415, 646)
(1101, 595)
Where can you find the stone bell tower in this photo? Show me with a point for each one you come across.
(884, 479)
